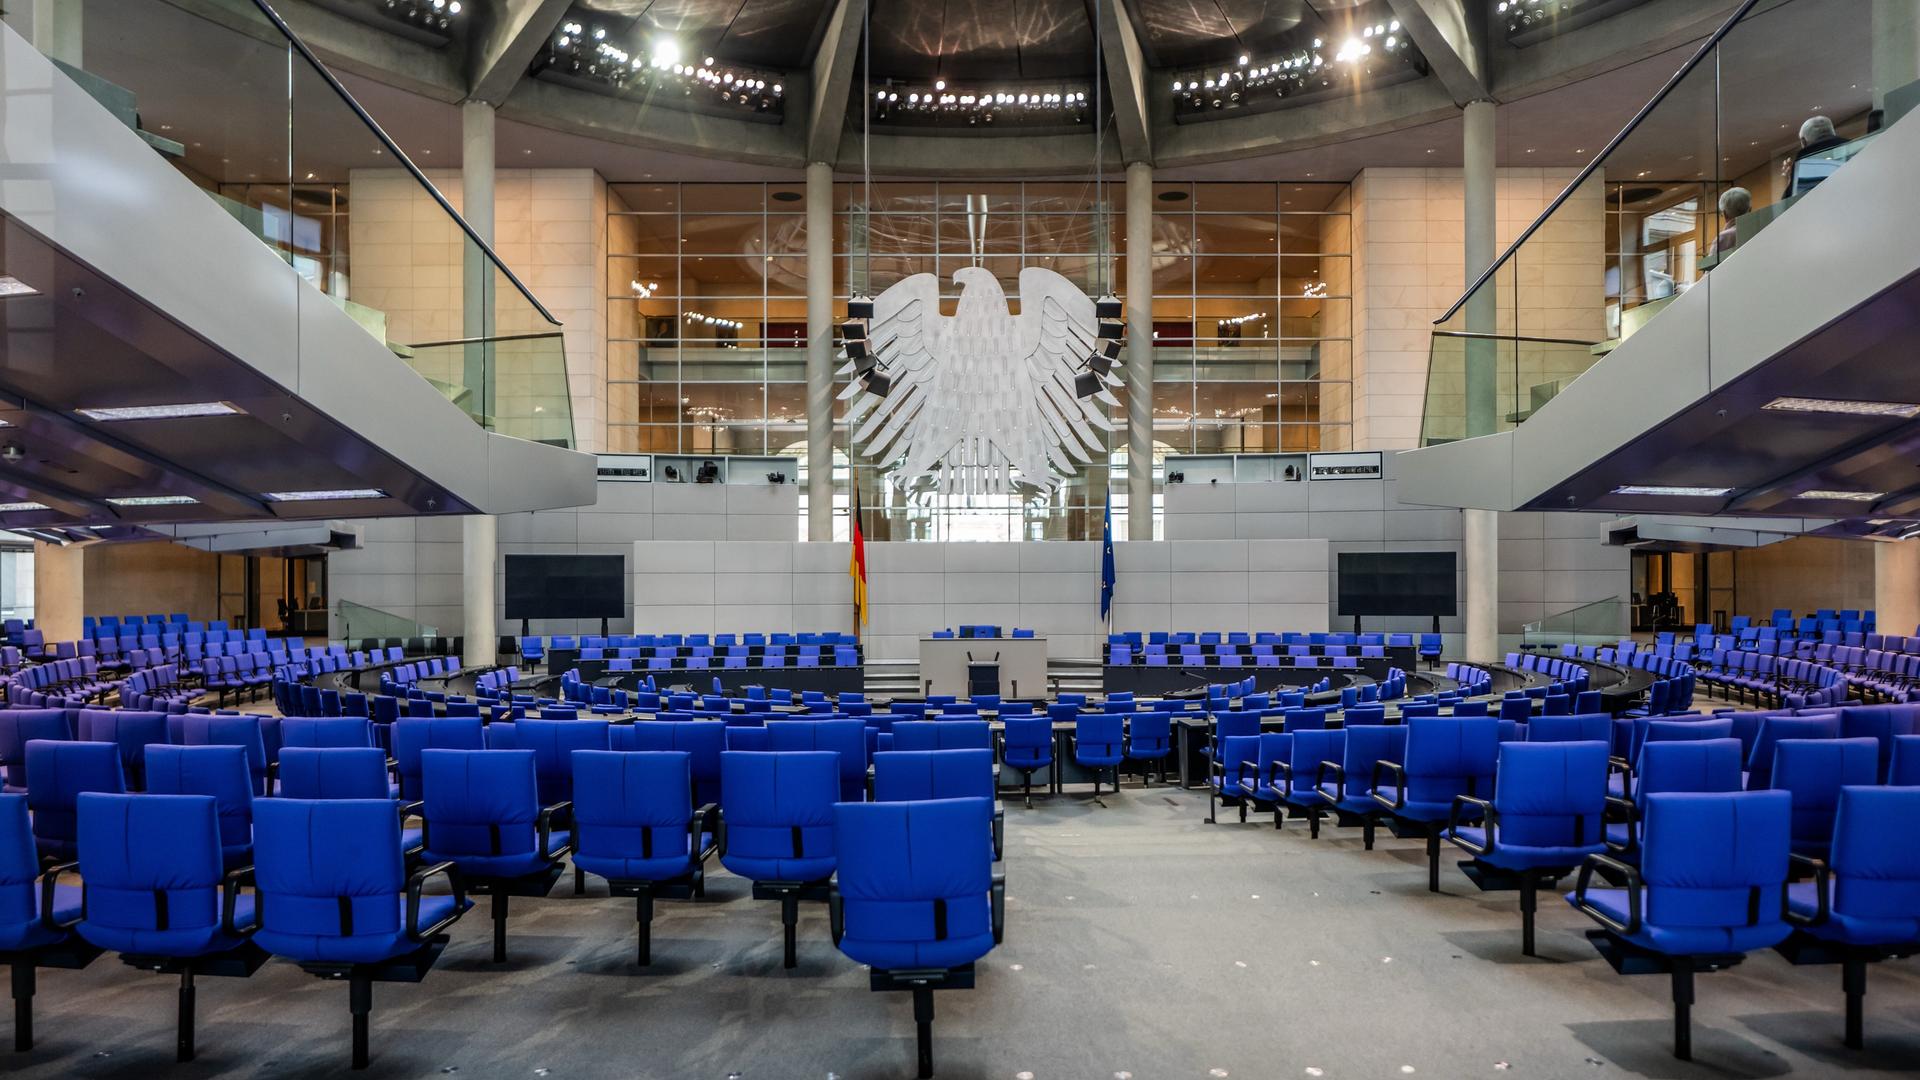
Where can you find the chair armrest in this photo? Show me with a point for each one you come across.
(1631, 814)
(1320, 779)
(697, 825)
(1488, 814)
(564, 812)
(997, 897)
(1822, 874)
(416, 808)
(47, 882)
(836, 913)
(1624, 768)
(1632, 874)
(414, 885)
(720, 831)
(230, 888)
(1399, 800)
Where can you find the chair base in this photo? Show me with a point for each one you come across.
(1627, 958)
(71, 955)
(1801, 949)
(534, 885)
(408, 968)
(236, 963)
(1490, 878)
(1429, 831)
(790, 893)
(923, 982)
(688, 887)
(1367, 823)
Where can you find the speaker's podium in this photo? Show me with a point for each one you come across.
(966, 666)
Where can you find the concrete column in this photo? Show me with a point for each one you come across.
(479, 534)
(1480, 529)
(1896, 46)
(1896, 586)
(820, 351)
(59, 589)
(1139, 299)
(56, 32)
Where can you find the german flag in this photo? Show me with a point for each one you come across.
(857, 568)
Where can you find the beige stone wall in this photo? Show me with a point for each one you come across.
(1409, 245)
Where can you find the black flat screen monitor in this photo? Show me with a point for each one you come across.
(566, 586)
(1398, 583)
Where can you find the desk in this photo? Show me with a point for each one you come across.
(1023, 664)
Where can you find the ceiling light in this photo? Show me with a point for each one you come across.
(13, 286)
(1681, 492)
(161, 412)
(155, 500)
(324, 496)
(1843, 407)
(1844, 496)
(20, 507)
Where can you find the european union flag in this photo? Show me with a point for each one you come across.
(1106, 563)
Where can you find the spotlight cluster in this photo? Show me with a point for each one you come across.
(713, 320)
(868, 366)
(430, 22)
(588, 55)
(427, 14)
(1242, 320)
(936, 103)
(1528, 21)
(1519, 16)
(1097, 371)
(1371, 53)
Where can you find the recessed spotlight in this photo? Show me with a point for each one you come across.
(161, 412)
(1843, 496)
(326, 495)
(1671, 490)
(20, 507)
(155, 500)
(13, 286)
(1843, 407)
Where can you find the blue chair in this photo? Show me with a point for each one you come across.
(776, 827)
(482, 813)
(702, 740)
(18, 727)
(1775, 728)
(1099, 741)
(155, 890)
(132, 731)
(1446, 758)
(1026, 747)
(1347, 784)
(344, 772)
(1296, 778)
(216, 771)
(1711, 885)
(1225, 725)
(36, 921)
(334, 897)
(414, 734)
(916, 900)
(915, 775)
(636, 826)
(246, 732)
(1903, 765)
(1235, 773)
(1863, 904)
(1813, 772)
(60, 772)
(847, 738)
(1576, 727)
(554, 743)
(1549, 803)
(942, 735)
(1150, 739)
(1709, 766)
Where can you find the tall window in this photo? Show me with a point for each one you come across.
(707, 320)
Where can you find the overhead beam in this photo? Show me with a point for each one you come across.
(1454, 41)
(346, 45)
(1127, 81)
(502, 43)
(832, 80)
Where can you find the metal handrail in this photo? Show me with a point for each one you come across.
(401, 155)
(1478, 336)
(1705, 50)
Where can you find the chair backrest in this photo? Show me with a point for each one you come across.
(1715, 860)
(1551, 794)
(335, 772)
(326, 731)
(914, 882)
(942, 735)
(1152, 729)
(1903, 770)
(553, 743)
(414, 735)
(1876, 864)
(702, 740)
(1028, 732)
(1366, 745)
(479, 803)
(1775, 728)
(241, 731)
(1230, 723)
(60, 772)
(778, 813)
(1306, 750)
(1100, 732)
(132, 731)
(1709, 766)
(18, 727)
(847, 738)
(19, 869)
(216, 771)
(1813, 771)
(905, 775)
(633, 805)
(136, 850)
(1448, 756)
(1589, 727)
(329, 871)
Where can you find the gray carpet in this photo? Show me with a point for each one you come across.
(1141, 943)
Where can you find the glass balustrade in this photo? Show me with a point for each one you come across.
(359, 622)
(1602, 622)
(1714, 158)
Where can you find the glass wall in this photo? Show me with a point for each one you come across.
(707, 320)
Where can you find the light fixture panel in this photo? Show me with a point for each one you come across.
(155, 500)
(181, 411)
(20, 507)
(325, 495)
(1673, 491)
(1843, 496)
(1843, 407)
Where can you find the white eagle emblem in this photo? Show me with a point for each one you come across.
(982, 402)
